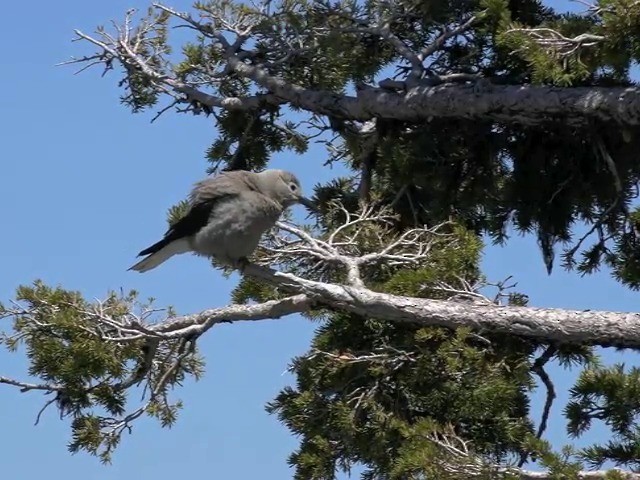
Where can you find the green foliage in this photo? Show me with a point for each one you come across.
(250, 137)
(89, 376)
(367, 387)
(560, 465)
(610, 395)
(448, 263)
(624, 258)
(369, 410)
(177, 211)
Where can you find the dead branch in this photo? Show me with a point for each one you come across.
(556, 43)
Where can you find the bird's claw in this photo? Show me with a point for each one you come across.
(241, 264)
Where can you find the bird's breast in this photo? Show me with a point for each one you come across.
(236, 226)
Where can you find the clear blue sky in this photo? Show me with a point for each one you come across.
(85, 185)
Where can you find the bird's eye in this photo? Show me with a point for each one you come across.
(293, 187)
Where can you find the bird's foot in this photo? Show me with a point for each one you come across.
(241, 264)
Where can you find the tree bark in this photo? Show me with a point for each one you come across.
(617, 329)
(408, 100)
(520, 104)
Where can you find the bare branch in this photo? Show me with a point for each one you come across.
(25, 387)
(446, 35)
(538, 368)
(558, 44)
(522, 474)
(199, 323)
(343, 248)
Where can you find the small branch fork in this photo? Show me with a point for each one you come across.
(553, 41)
(538, 369)
(130, 47)
(343, 247)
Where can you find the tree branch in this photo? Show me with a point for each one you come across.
(546, 324)
(417, 101)
(556, 326)
(538, 369)
(25, 387)
(198, 323)
(341, 250)
(439, 42)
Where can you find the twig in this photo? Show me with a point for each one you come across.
(601, 150)
(53, 400)
(558, 43)
(25, 387)
(439, 42)
(538, 369)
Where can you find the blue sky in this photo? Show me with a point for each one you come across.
(85, 186)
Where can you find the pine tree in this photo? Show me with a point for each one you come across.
(470, 117)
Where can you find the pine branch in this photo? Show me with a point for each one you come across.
(410, 99)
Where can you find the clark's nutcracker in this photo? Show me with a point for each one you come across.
(227, 216)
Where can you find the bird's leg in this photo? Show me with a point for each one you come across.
(235, 263)
(241, 263)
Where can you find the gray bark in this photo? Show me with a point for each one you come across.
(411, 101)
(602, 328)
(525, 104)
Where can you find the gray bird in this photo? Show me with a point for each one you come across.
(227, 216)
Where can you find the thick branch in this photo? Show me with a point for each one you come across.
(505, 103)
(546, 324)
(199, 323)
(509, 103)
(524, 104)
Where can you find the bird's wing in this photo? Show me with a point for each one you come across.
(204, 197)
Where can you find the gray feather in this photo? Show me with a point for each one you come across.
(228, 215)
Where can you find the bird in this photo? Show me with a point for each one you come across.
(227, 215)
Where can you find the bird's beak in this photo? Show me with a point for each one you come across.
(309, 204)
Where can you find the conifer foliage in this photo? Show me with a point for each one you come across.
(456, 118)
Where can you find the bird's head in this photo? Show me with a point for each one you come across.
(283, 187)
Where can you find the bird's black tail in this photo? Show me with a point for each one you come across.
(156, 247)
(161, 252)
